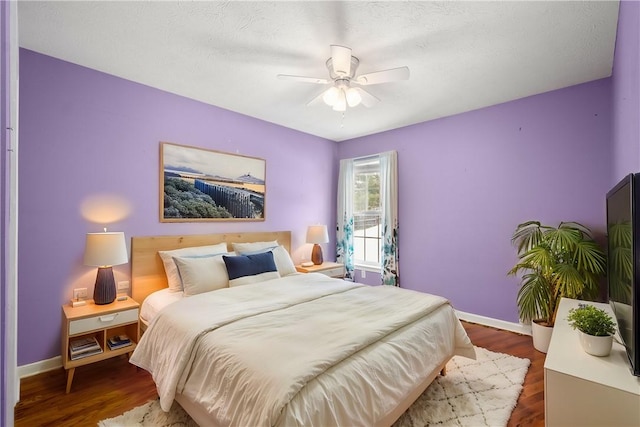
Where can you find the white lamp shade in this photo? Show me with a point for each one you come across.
(317, 234)
(353, 97)
(331, 96)
(341, 102)
(105, 249)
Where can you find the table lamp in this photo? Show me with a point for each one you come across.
(104, 250)
(317, 234)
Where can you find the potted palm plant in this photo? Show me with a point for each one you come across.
(596, 329)
(554, 262)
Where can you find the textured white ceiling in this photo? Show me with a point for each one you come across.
(462, 55)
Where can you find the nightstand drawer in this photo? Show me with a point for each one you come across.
(333, 272)
(104, 321)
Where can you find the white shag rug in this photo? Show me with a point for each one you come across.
(474, 393)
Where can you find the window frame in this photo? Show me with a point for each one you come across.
(360, 167)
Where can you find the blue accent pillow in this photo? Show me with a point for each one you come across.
(245, 269)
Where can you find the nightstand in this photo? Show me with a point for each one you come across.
(331, 269)
(100, 322)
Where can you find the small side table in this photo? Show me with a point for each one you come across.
(100, 322)
(331, 269)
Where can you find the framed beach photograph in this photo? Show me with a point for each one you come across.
(197, 184)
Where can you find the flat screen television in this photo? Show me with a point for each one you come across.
(623, 266)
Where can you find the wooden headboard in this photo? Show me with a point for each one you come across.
(147, 270)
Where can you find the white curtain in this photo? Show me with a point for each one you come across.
(390, 273)
(344, 232)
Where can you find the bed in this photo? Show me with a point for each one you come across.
(300, 349)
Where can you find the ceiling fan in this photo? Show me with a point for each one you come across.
(345, 85)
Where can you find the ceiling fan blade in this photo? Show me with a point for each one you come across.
(368, 100)
(317, 100)
(341, 60)
(384, 76)
(303, 79)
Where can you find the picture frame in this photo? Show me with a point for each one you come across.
(199, 184)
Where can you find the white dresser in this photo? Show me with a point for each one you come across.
(585, 390)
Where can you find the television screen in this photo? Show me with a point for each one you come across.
(623, 240)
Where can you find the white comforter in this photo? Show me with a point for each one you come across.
(255, 354)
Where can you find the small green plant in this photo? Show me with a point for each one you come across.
(591, 321)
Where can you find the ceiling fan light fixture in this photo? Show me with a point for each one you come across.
(353, 97)
(330, 97)
(341, 102)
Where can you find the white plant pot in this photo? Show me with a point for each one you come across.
(541, 336)
(596, 346)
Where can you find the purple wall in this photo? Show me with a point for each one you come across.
(626, 93)
(84, 134)
(466, 181)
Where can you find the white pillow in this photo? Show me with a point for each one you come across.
(173, 277)
(248, 280)
(283, 260)
(255, 247)
(202, 274)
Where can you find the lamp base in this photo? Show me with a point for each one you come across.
(104, 291)
(316, 254)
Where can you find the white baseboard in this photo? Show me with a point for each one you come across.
(39, 367)
(518, 328)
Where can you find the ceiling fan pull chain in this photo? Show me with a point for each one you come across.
(342, 121)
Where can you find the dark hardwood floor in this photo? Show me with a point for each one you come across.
(111, 387)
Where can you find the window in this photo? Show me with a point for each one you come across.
(367, 231)
(367, 216)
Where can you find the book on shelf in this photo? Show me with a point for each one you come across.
(117, 346)
(83, 342)
(83, 345)
(86, 353)
(118, 341)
